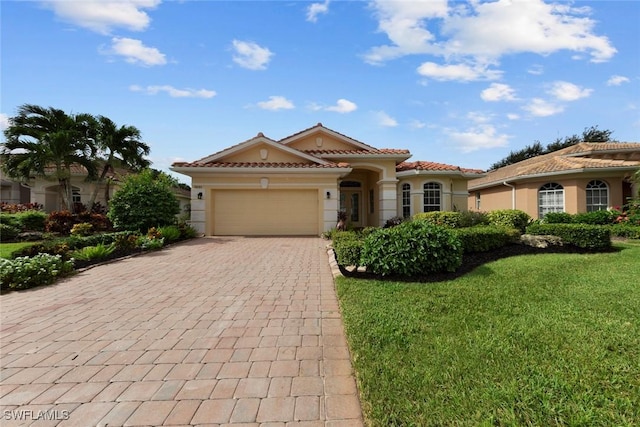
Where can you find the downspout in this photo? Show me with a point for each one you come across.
(513, 194)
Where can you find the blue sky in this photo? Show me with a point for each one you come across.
(458, 82)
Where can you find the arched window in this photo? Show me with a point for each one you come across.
(406, 200)
(550, 199)
(431, 197)
(597, 196)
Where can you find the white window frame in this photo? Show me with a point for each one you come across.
(430, 192)
(550, 199)
(406, 200)
(597, 189)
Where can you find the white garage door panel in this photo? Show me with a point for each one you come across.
(265, 212)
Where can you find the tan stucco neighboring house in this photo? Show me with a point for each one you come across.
(297, 185)
(44, 191)
(580, 178)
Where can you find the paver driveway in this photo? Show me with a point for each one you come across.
(213, 331)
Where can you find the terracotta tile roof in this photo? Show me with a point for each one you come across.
(584, 155)
(357, 152)
(260, 165)
(433, 166)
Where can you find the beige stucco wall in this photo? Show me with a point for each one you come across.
(319, 141)
(454, 191)
(264, 153)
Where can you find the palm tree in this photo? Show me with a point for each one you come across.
(47, 142)
(118, 147)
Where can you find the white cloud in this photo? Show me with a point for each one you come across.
(565, 91)
(103, 16)
(541, 108)
(477, 138)
(276, 103)
(4, 121)
(250, 55)
(385, 120)
(617, 80)
(459, 72)
(343, 106)
(316, 9)
(173, 92)
(513, 116)
(477, 117)
(498, 92)
(483, 32)
(134, 52)
(416, 124)
(536, 69)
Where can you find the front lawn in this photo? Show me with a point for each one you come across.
(7, 248)
(544, 340)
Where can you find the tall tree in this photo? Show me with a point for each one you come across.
(591, 134)
(47, 142)
(117, 147)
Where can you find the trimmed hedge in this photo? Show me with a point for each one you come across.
(587, 236)
(483, 238)
(442, 218)
(8, 233)
(412, 248)
(625, 230)
(510, 218)
(347, 246)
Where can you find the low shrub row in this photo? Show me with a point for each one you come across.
(484, 238)
(509, 218)
(586, 236)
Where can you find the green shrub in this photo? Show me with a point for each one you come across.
(8, 233)
(81, 229)
(27, 272)
(145, 200)
(347, 246)
(587, 236)
(91, 253)
(443, 218)
(393, 222)
(9, 219)
(31, 220)
(626, 231)
(413, 248)
(148, 243)
(558, 218)
(484, 238)
(171, 233)
(596, 217)
(510, 218)
(187, 231)
(473, 218)
(126, 241)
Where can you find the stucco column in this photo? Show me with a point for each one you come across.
(387, 199)
(329, 197)
(198, 198)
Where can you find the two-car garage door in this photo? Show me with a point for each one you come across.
(265, 212)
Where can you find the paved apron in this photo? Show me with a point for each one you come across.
(214, 331)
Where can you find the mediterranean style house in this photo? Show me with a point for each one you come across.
(45, 191)
(297, 185)
(581, 178)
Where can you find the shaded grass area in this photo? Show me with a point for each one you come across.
(544, 340)
(7, 248)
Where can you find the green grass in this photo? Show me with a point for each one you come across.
(7, 248)
(539, 340)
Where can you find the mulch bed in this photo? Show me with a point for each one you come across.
(470, 262)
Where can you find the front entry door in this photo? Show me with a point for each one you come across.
(351, 203)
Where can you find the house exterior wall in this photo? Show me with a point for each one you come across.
(454, 194)
(202, 209)
(263, 153)
(318, 141)
(526, 193)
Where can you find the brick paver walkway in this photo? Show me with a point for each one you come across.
(215, 331)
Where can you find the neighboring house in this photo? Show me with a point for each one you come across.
(581, 178)
(297, 185)
(44, 191)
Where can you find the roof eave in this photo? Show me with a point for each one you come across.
(413, 172)
(547, 174)
(187, 170)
